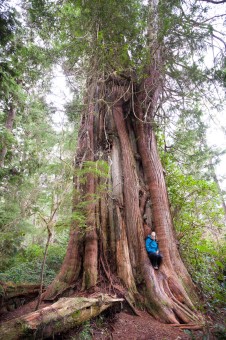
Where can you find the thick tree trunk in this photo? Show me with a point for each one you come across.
(118, 127)
(115, 228)
(57, 318)
(174, 279)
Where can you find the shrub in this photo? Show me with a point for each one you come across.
(27, 264)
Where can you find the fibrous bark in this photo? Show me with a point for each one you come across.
(117, 127)
(115, 226)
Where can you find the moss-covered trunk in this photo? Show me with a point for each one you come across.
(55, 319)
(13, 296)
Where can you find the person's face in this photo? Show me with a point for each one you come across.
(153, 236)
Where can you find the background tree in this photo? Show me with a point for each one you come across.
(32, 164)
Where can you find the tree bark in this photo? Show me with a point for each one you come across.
(117, 127)
(57, 318)
(13, 296)
(168, 294)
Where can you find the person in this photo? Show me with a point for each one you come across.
(153, 250)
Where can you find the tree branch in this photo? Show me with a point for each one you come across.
(218, 38)
(215, 2)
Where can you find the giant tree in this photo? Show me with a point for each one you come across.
(130, 54)
(125, 66)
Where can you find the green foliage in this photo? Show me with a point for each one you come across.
(85, 333)
(38, 185)
(23, 61)
(79, 216)
(111, 34)
(37, 178)
(74, 109)
(7, 139)
(26, 265)
(12, 231)
(98, 168)
(206, 259)
(220, 72)
(8, 23)
(199, 221)
(219, 331)
(27, 273)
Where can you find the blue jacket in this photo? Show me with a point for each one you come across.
(151, 245)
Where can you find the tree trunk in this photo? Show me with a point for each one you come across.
(117, 127)
(115, 230)
(48, 226)
(57, 318)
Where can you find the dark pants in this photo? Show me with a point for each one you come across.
(156, 259)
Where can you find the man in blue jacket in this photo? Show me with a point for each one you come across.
(153, 250)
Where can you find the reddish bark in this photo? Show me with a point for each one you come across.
(130, 188)
(136, 188)
(91, 245)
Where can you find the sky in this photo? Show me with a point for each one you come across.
(59, 95)
(216, 137)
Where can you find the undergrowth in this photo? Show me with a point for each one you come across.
(26, 265)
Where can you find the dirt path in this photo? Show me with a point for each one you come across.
(125, 326)
(143, 327)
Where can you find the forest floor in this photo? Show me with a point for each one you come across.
(124, 325)
(127, 326)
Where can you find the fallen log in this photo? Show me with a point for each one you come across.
(57, 318)
(9, 290)
(14, 295)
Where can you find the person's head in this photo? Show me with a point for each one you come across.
(153, 235)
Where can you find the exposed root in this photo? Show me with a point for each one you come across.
(125, 295)
(188, 326)
(128, 300)
(180, 309)
(107, 273)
